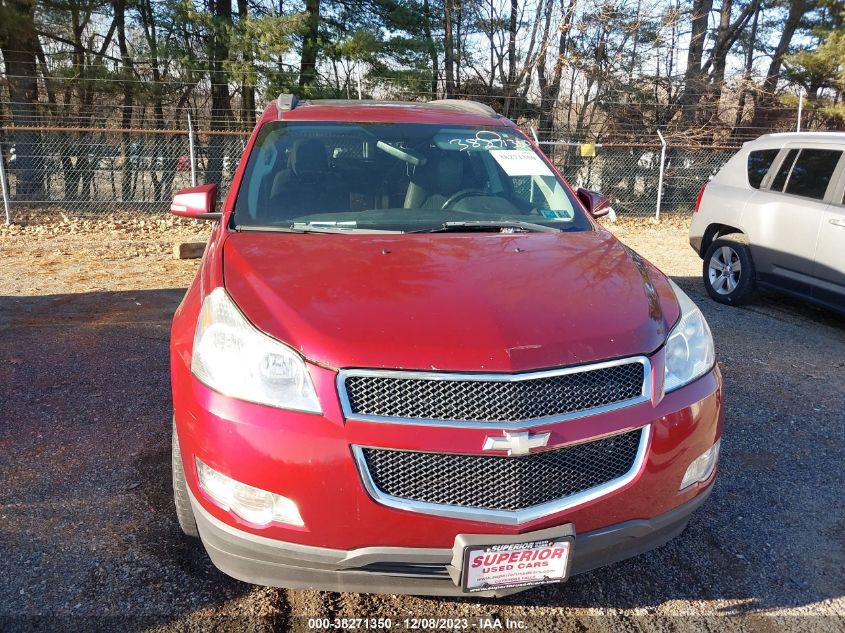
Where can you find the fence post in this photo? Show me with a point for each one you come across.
(4, 187)
(800, 108)
(191, 151)
(660, 177)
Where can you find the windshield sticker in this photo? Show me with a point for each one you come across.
(557, 216)
(521, 162)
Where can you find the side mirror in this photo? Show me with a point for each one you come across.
(196, 202)
(596, 203)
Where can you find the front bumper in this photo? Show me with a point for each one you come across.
(309, 459)
(411, 570)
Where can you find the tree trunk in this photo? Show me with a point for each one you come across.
(449, 48)
(82, 174)
(128, 178)
(746, 77)
(310, 45)
(492, 46)
(248, 85)
(720, 62)
(542, 78)
(19, 43)
(221, 106)
(707, 110)
(509, 86)
(161, 155)
(726, 36)
(49, 87)
(550, 90)
(432, 47)
(764, 115)
(459, 42)
(694, 83)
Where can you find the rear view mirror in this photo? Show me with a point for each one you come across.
(196, 202)
(596, 203)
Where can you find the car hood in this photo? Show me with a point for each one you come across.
(456, 302)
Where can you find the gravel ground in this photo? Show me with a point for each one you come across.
(88, 539)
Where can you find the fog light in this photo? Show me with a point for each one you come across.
(702, 467)
(251, 504)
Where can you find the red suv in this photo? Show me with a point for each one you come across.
(412, 362)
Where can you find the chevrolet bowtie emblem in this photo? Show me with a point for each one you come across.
(516, 443)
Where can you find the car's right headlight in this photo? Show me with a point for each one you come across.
(233, 357)
(689, 348)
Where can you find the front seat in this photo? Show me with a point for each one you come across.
(308, 185)
(433, 183)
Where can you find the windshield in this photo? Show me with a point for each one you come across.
(400, 177)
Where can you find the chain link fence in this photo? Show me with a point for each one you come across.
(629, 174)
(102, 170)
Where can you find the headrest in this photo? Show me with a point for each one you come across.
(443, 175)
(308, 157)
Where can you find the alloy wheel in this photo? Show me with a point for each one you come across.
(724, 270)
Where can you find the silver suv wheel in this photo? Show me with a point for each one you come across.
(724, 270)
(728, 269)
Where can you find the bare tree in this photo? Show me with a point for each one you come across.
(550, 87)
(765, 98)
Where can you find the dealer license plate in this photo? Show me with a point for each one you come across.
(516, 564)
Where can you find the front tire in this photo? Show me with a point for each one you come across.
(181, 499)
(729, 273)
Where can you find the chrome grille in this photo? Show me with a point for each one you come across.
(491, 399)
(502, 483)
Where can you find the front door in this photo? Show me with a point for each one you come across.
(787, 214)
(830, 257)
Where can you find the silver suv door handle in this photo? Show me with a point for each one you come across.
(838, 223)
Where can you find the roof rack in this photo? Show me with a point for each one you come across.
(286, 102)
(465, 105)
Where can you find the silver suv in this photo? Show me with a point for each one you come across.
(774, 216)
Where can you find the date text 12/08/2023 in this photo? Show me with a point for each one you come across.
(481, 623)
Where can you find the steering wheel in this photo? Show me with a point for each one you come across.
(460, 195)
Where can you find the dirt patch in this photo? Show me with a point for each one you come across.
(52, 252)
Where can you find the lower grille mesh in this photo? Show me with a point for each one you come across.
(502, 483)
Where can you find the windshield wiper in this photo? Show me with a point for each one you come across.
(291, 229)
(486, 225)
(311, 228)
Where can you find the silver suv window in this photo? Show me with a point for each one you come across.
(812, 172)
(759, 163)
(783, 172)
(806, 172)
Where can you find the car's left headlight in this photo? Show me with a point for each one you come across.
(233, 357)
(689, 347)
